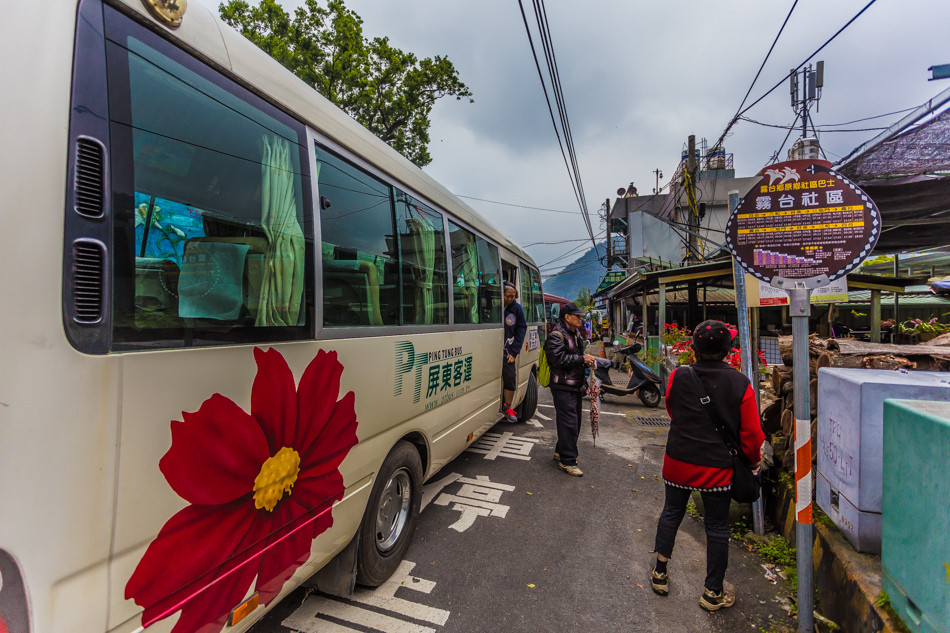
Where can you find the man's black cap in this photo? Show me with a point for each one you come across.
(570, 308)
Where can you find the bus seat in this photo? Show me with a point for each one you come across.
(346, 282)
(220, 276)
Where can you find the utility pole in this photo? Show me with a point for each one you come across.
(610, 252)
(659, 174)
(691, 197)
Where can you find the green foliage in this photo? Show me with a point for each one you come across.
(649, 356)
(692, 511)
(584, 300)
(782, 553)
(389, 91)
(883, 600)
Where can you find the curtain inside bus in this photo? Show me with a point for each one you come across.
(210, 194)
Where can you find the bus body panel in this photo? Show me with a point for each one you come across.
(81, 493)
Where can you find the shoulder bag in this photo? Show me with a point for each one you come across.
(745, 484)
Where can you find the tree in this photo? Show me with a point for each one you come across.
(389, 91)
(583, 300)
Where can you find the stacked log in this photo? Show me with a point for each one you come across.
(832, 353)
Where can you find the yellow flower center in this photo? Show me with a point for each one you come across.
(277, 476)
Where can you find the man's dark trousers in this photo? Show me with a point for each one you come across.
(567, 408)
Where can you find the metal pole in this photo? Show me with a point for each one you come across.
(897, 318)
(800, 308)
(661, 317)
(875, 316)
(745, 354)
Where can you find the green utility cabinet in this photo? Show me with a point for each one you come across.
(915, 553)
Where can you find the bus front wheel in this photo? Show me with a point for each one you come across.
(390, 517)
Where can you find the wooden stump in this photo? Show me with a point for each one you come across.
(788, 423)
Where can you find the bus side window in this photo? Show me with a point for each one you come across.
(489, 286)
(423, 262)
(527, 296)
(360, 254)
(538, 295)
(210, 220)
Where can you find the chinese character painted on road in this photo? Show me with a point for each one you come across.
(493, 445)
(477, 498)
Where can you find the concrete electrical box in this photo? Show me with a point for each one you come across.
(916, 504)
(850, 436)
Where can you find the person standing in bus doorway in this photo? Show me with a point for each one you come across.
(515, 329)
(697, 458)
(564, 349)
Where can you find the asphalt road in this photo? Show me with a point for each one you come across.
(507, 542)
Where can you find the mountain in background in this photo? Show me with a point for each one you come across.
(583, 271)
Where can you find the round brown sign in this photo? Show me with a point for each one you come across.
(803, 221)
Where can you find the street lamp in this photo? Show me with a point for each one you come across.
(659, 174)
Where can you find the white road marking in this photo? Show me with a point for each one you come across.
(542, 416)
(306, 620)
(551, 406)
(493, 445)
(430, 491)
(477, 498)
(534, 422)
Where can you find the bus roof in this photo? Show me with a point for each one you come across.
(206, 34)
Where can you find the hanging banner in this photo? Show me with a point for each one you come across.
(761, 295)
(803, 222)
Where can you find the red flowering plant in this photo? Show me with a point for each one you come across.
(261, 488)
(679, 340)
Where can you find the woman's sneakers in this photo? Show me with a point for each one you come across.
(660, 582)
(713, 601)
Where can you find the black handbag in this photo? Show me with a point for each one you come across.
(745, 484)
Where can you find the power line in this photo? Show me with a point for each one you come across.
(821, 129)
(573, 171)
(520, 206)
(749, 91)
(820, 48)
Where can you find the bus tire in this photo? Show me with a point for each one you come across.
(529, 404)
(390, 517)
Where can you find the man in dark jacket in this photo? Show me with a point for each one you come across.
(697, 458)
(515, 328)
(564, 349)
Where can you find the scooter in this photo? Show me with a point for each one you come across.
(643, 381)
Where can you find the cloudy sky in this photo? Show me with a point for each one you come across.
(638, 77)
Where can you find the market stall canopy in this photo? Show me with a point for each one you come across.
(907, 174)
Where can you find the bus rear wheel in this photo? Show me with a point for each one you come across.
(390, 517)
(529, 404)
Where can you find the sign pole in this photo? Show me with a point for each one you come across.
(801, 227)
(749, 360)
(800, 309)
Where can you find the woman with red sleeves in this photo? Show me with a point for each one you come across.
(697, 458)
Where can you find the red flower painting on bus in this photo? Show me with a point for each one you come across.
(260, 487)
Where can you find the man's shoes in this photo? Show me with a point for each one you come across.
(712, 601)
(511, 416)
(557, 456)
(571, 470)
(660, 582)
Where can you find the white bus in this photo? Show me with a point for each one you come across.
(239, 332)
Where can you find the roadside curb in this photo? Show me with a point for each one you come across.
(848, 582)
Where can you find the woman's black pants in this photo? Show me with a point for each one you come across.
(715, 520)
